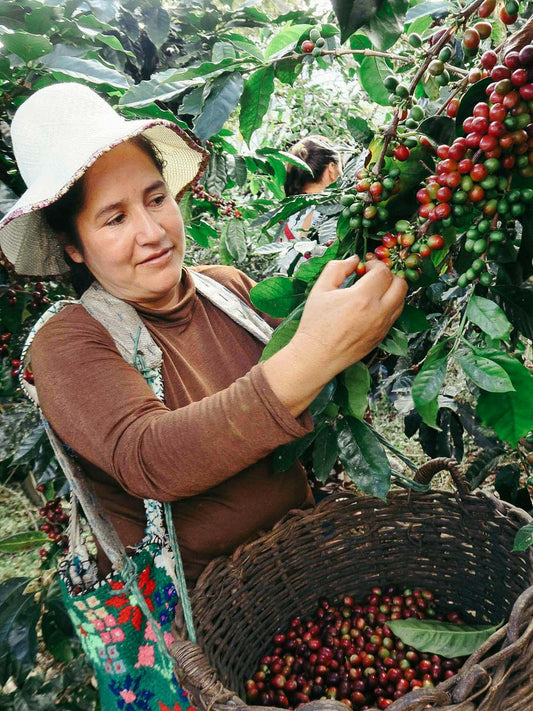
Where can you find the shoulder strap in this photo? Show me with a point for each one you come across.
(78, 482)
(233, 306)
(132, 338)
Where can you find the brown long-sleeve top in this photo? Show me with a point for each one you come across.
(206, 449)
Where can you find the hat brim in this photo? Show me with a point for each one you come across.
(26, 239)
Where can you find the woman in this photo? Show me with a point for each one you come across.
(99, 192)
(325, 167)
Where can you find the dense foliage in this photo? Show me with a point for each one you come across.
(394, 84)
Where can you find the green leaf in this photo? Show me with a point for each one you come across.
(255, 101)
(27, 540)
(371, 75)
(278, 296)
(386, 25)
(311, 268)
(363, 457)
(29, 445)
(420, 24)
(157, 89)
(157, 24)
(517, 302)
(222, 50)
(395, 342)
(359, 41)
(202, 232)
(105, 10)
(429, 413)
(39, 21)
(19, 614)
(523, 538)
(489, 317)
(359, 129)
(483, 465)
(284, 457)
(323, 398)
(114, 43)
(485, 373)
(283, 333)
(412, 320)
(423, 9)
(205, 70)
(286, 40)
(222, 100)
(509, 414)
(244, 45)
(287, 70)
(353, 396)
(87, 69)
(428, 381)
(57, 633)
(234, 238)
(353, 14)
(324, 453)
(445, 638)
(439, 128)
(216, 175)
(289, 205)
(26, 45)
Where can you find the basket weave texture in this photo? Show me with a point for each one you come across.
(458, 544)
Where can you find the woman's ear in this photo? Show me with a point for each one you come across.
(74, 253)
(333, 172)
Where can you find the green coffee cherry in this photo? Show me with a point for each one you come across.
(445, 54)
(402, 91)
(390, 82)
(417, 113)
(436, 67)
(415, 40)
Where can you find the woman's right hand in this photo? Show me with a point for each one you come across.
(338, 327)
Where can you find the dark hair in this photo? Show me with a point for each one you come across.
(318, 153)
(61, 216)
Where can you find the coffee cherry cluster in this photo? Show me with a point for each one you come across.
(39, 295)
(348, 652)
(315, 44)
(224, 207)
(402, 253)
(473, 175)
(55, 523)
(363, 207)
(5, 338)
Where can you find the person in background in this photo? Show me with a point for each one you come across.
(325, 165)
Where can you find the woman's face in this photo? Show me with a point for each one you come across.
(130, 229)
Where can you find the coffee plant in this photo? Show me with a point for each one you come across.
(430, 104)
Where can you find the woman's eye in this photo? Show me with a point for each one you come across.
(158, 199)
(116, 220)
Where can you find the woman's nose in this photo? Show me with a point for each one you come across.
(148, 227)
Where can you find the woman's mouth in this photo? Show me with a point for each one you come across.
(158, 258)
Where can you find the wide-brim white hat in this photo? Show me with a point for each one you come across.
(59, 132)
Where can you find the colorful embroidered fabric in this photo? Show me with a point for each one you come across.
(132, 672)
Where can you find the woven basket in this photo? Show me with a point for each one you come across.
(458, 544)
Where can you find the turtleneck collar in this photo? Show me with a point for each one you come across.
(181, 313)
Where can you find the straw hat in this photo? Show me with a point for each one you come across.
(59, 132)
